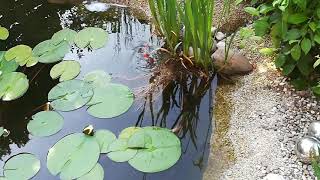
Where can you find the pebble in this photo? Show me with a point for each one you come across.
(220, 36)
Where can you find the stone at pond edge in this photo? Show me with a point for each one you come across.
(235, 64)
(272, 176)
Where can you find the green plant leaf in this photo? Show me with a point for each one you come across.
(4, 33)
(93, 37)
(293, 34)
(305, 65)
(31, 61)
(128, 132)
(317, 63)
(64, 35)
(316, 90)
(45, 123)
(97, 78)
(1, 131)
(261, 27)
(296, 52)
(110, 101)
(21, 167)
(13, 86)
(317, 38)
(252, 11)
(19, 53)
(73, 156)
(297, 18)
(280, 60)
(48, 52)
(306, 45)
(313, 26)
(287, 69)
(161, 153)
(118, 151)
(104, 138)
(7, 66)
(97, 173)
(70, 95)
(267, 51)
(66, 70)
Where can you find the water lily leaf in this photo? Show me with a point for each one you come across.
(97, 78)
(1, 131)
(7, 66)
(159, 154)
(13, 86)
(128, 132)
(48, 52)
(45, 123)
(97, 173)
(110, 101)
(93, 37)
(19, 53)
(32, 61)
(4, 33)
(119, 151)
(104, 138)
(21, 167)
(66, 70)
(73, 156)
(64, 35)
(70, 95)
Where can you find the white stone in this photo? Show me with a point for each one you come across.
(220, 36)
(272, 176)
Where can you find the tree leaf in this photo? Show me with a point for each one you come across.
(261, 27)
(70, 95)
(13, 86)
(93, 37)
(21, 166)
(297, 18)
(48, 52)
(287, 69)
(64, 35)
(252, 11)
(110, 101)
(73, 156)
(293, 34)
(97, 78)
(296, 52)
(104, 138)
(66, 70)
(45, 123)
(4, 33)
(317, 38)
(306, 45)
(280, 60)
(7, 66)
(97, 173)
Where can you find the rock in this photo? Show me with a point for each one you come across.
(220, 36)
(190, 53)
(272, 176)
(235, 64)
(213, 30)
(221, 45)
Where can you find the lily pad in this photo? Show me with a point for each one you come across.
(64, 35)
(104, 138)
(4, 33)
(73, 156)
(70, 95)
(22, 166)
(66, 70)
(13, 86)
(97, 173)
(32, 61)
(110, 101)
(159, 154)
(4, 132)
(93, 37)
(128, 132)
(119, 151)
(48, 52)
(19, 53)
(1, 131)
(97, 78)
(45, 123)
(7, 66)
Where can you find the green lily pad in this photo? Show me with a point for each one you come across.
(97, 78)
(22, 166)
(4, 33)
(4, 132)
(13, 86)
(93, 37)
(104, 138)
(19, 53)
(73, 156)
(64, 35)
(1, 131)
(97, 173)
(48, 52)
(66, 70)
(128, 132)
(70, 95)
(32, 61)
(7, 66)
(161, 149)
(45, 123)
(110, 101)
(119, 151)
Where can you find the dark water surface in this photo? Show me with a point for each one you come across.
(185, 104)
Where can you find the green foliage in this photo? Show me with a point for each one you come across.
(4, 33)
(13, 86)
(295, 30)
(66, 70)
(7, 66)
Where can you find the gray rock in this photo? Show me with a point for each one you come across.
(272, 176)
(220, 36)
(221, 45)
(213, 30)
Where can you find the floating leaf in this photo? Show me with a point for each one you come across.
(97, 173)
(73, 156)
(64, 35)
(19, 53)
(159, 154)
(45, 123)
(70, 95)
(110, 101)
(4, 132)
(119, 151)
(13, 86)
(97, 78)
(7, 66)
(21, 167)
(4, 33)
(128, 132)
(66, 70)
(94, 37)
(48, 52)
(1, 131)
(104, 138)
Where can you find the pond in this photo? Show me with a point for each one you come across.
(184, 104)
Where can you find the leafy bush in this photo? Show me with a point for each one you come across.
(294, 27)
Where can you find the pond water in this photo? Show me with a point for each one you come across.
(185, 104)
